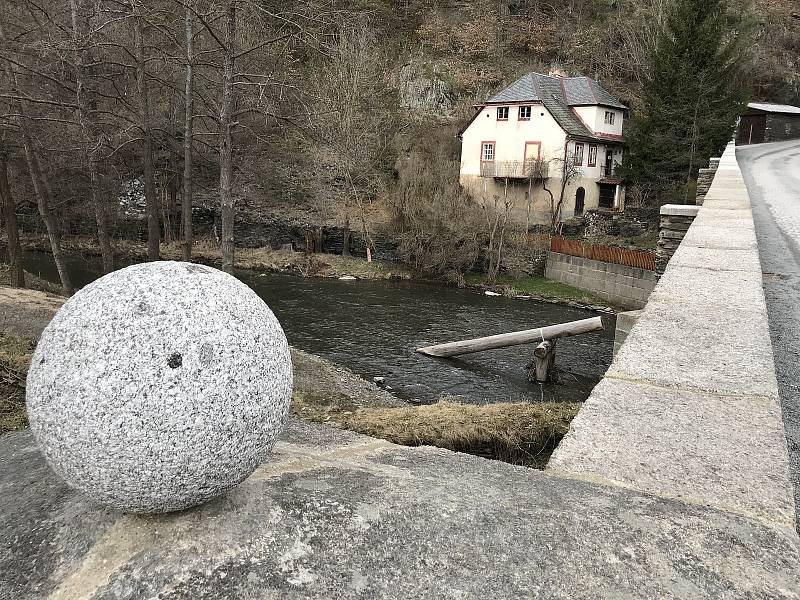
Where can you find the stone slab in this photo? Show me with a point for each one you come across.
(692, 445)
(335, 515)
(713, 236)
(716, 259)
(679, 210)
(714, 364)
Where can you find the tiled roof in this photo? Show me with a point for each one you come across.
(559, 94)
(572, 91)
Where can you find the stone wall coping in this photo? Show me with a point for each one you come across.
(679, 210)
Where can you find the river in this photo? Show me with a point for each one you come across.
(373, 327)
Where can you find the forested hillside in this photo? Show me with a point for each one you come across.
(308, 113)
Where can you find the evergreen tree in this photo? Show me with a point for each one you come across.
(695, 89)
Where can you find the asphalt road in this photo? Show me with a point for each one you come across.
(772, 174)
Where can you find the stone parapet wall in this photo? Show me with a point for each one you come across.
(674, 222)
(624, 286)
(689, 409)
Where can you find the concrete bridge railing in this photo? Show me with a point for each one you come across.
(689, 408)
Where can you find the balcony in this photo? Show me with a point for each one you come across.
(513, 169)
(609, 173)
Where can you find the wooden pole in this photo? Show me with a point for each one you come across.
(544, 357)
(514, 338)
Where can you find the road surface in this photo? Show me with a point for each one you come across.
(772, 174)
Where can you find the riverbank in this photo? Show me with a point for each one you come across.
(515, 432)
(288, 262)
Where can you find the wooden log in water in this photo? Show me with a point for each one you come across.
(514, 338)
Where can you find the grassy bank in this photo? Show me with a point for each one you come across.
(518, 433)
(15, 358)
(538, 288)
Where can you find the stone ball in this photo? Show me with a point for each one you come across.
(159, 386)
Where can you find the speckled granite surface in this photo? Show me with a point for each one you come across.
(159, 386)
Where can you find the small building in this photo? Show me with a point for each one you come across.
(763, 122)
(536, 126)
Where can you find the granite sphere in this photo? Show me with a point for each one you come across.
(159, 386)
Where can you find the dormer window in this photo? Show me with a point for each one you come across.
(524, 113)
(609, 117)
(502, 113)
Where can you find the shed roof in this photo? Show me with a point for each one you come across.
(786, 109)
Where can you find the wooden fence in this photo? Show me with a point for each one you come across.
(640, 259)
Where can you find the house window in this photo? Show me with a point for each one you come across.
(502, 113)
(487, 151)
(592, 155)
(524, 113)
(578, 153)
(609, 117)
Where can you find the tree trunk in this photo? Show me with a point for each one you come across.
(151, 200)
(172, 178)
(225, 143)
(346, 235)
(188, 136)
(90, 150)
(10, 222)
(42, 191)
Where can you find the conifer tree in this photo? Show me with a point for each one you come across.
(695, 89)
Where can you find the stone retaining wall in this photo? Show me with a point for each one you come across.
(624, 286)
(673, 225)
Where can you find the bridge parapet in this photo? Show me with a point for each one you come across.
(689, 408)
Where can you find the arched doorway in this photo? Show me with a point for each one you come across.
(580, 194)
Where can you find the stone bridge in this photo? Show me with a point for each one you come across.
(672, 483)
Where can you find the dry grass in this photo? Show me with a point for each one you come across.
(15, 358)
(518, 433)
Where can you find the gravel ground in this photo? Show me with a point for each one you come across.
(772, 175)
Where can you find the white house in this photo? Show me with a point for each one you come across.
(552, 118)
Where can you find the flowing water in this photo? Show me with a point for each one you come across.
(373, 327)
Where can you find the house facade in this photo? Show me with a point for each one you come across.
(530, 134)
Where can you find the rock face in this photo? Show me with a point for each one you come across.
(159, 386)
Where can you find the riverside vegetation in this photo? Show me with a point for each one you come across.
(344, 115)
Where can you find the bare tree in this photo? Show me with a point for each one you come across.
(188, 133)
(91, 146)
(143, 92)
(568, 171)
(356, 129)
(40, 185)
(225, 141)
(496, 212)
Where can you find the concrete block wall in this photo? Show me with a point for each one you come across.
(624, 286)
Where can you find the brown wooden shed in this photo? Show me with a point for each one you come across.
(763, 122)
